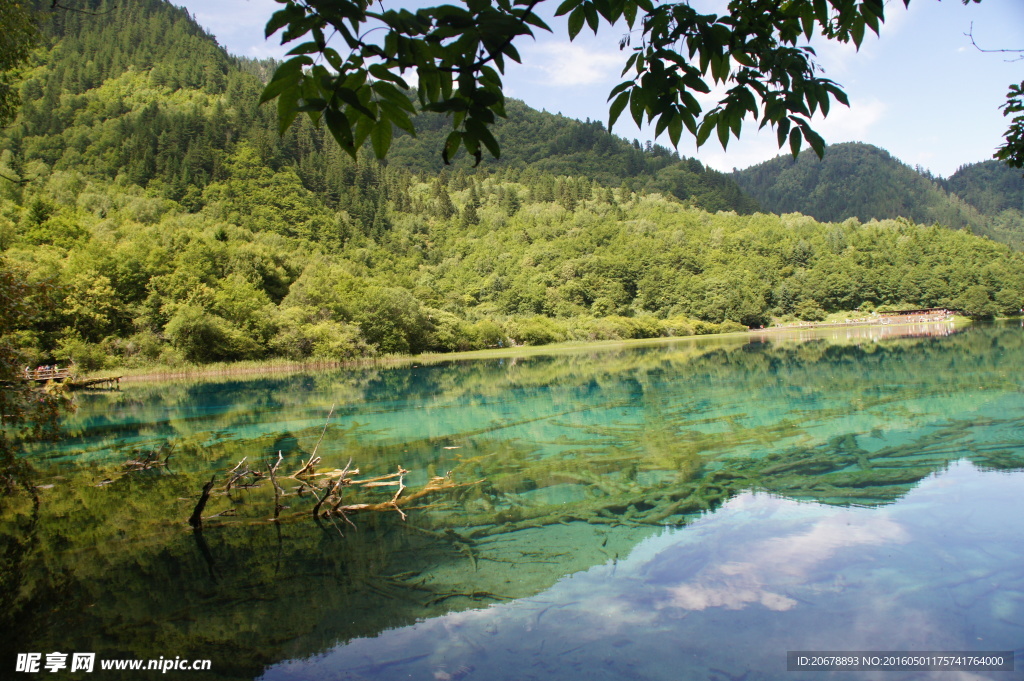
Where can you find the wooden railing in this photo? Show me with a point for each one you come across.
(56, 374)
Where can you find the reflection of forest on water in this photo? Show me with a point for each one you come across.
(581, 456)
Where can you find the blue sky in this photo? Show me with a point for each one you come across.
(922, 91)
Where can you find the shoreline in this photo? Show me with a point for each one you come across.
(271, 367)
(865, 323)
(283, 367)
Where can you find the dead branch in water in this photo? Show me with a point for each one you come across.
(436, 484)
(277, 488)
(332, 484)
(308, 467)
(234, 475)
(196, 519)
(150, 460)
(329, 414)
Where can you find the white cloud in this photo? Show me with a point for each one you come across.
(569, 65)
(852, 123)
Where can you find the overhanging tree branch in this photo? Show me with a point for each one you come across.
(759, 50)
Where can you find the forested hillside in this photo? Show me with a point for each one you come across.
(162, 218)
(990, 186)
(865, 182)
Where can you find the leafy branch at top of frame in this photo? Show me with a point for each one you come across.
(758, 52)
(360, 95)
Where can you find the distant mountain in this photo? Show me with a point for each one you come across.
(990, 186)
(856, 180)
(142, 92)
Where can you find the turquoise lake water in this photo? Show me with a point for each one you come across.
(685, 510)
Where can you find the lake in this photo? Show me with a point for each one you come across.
(694, 509)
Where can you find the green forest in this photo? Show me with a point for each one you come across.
(161, 219)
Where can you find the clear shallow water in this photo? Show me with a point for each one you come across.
(673, 511)
(727, 596)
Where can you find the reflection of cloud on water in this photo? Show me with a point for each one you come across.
(758, 572)
(730, 595)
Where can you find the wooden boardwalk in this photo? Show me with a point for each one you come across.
(44, 375)
(64, 376)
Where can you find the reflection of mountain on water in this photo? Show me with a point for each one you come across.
(582, 457)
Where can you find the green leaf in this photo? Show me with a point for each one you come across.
(661, 125)
(304, 48)
(624, 85)
(841, 96)
(821, 11)
(794, 141)
(744, 59)
(286, 76)
(287, 109)
(872, 22)
(362, 130)
(636, 105)
(311, 104)
(513, 53)
(429, 84)
(397, 116)
(381, 72)
(480, 132)
(567, 6)
(576, 20)
(380, 138)
(723, 131)
(534, 20)
(615, 110)
(816, 142)
(675, 130)
(276, 87)
(333, 58)
(720, 68)
(782, 131)
(704, 131)
(857, 32)
(629, 12)
(340, 128)
(808, 23)
(350, 97)
(823, 102)
(393, 94)
(593, 20)
(282, 18)
(451, 146)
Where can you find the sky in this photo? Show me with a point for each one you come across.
(921, 90)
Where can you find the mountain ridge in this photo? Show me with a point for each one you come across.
(859, 180)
